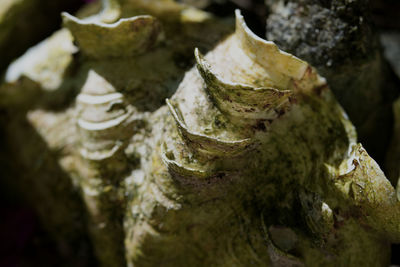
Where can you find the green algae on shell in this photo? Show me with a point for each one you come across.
(208, 144)
(241, 100)
(214, 204)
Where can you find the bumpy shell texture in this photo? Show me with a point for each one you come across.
(249, 161)
(102, 119)
(242, 173)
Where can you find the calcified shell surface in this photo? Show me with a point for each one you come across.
(250, 160)
(242, 173)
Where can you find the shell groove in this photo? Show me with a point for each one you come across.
(207, 144)
(103, 119)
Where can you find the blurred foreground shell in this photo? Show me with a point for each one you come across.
(126, 37)
(33, 20)
(103, 119)
(83, 97)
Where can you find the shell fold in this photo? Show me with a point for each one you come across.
(281, 66)
(103, 117)
(183, 165)
(240, 100)
(126, 37)
(204, 143)
(111, 11)
(248, 78)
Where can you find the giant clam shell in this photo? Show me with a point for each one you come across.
(253, 131)
(250, 83)
(103, 119)
(126, 37)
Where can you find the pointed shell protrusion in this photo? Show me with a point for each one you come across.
(207, 144)
(285, 70)
(281, 66)
(240, 100)
(126, 37)
(361, 181)
(103, 117)
(360, 178)
(250, 80)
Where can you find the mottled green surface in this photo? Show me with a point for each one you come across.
(302, 174)
(251, 161)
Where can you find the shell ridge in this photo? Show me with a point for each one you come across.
(102, 125)
(98, 99)
(242, 100)
(103, 119)
(266, 52)
(125, 37)
(183, 125)
(208, 144)
(179, 168)
(66, 16)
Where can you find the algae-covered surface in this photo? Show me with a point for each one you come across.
(152, 133)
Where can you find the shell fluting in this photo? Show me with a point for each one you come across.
(103, 119)
(247, 81)
(207, 144)
(124, 38)
(250, 131)
(181, 168)
(241, 100)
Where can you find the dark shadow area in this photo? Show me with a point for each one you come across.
(29, 23)
(254, 12)
(43, 218)
(25, 242)
(386, 15)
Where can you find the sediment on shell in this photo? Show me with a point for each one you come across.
(208, 144)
